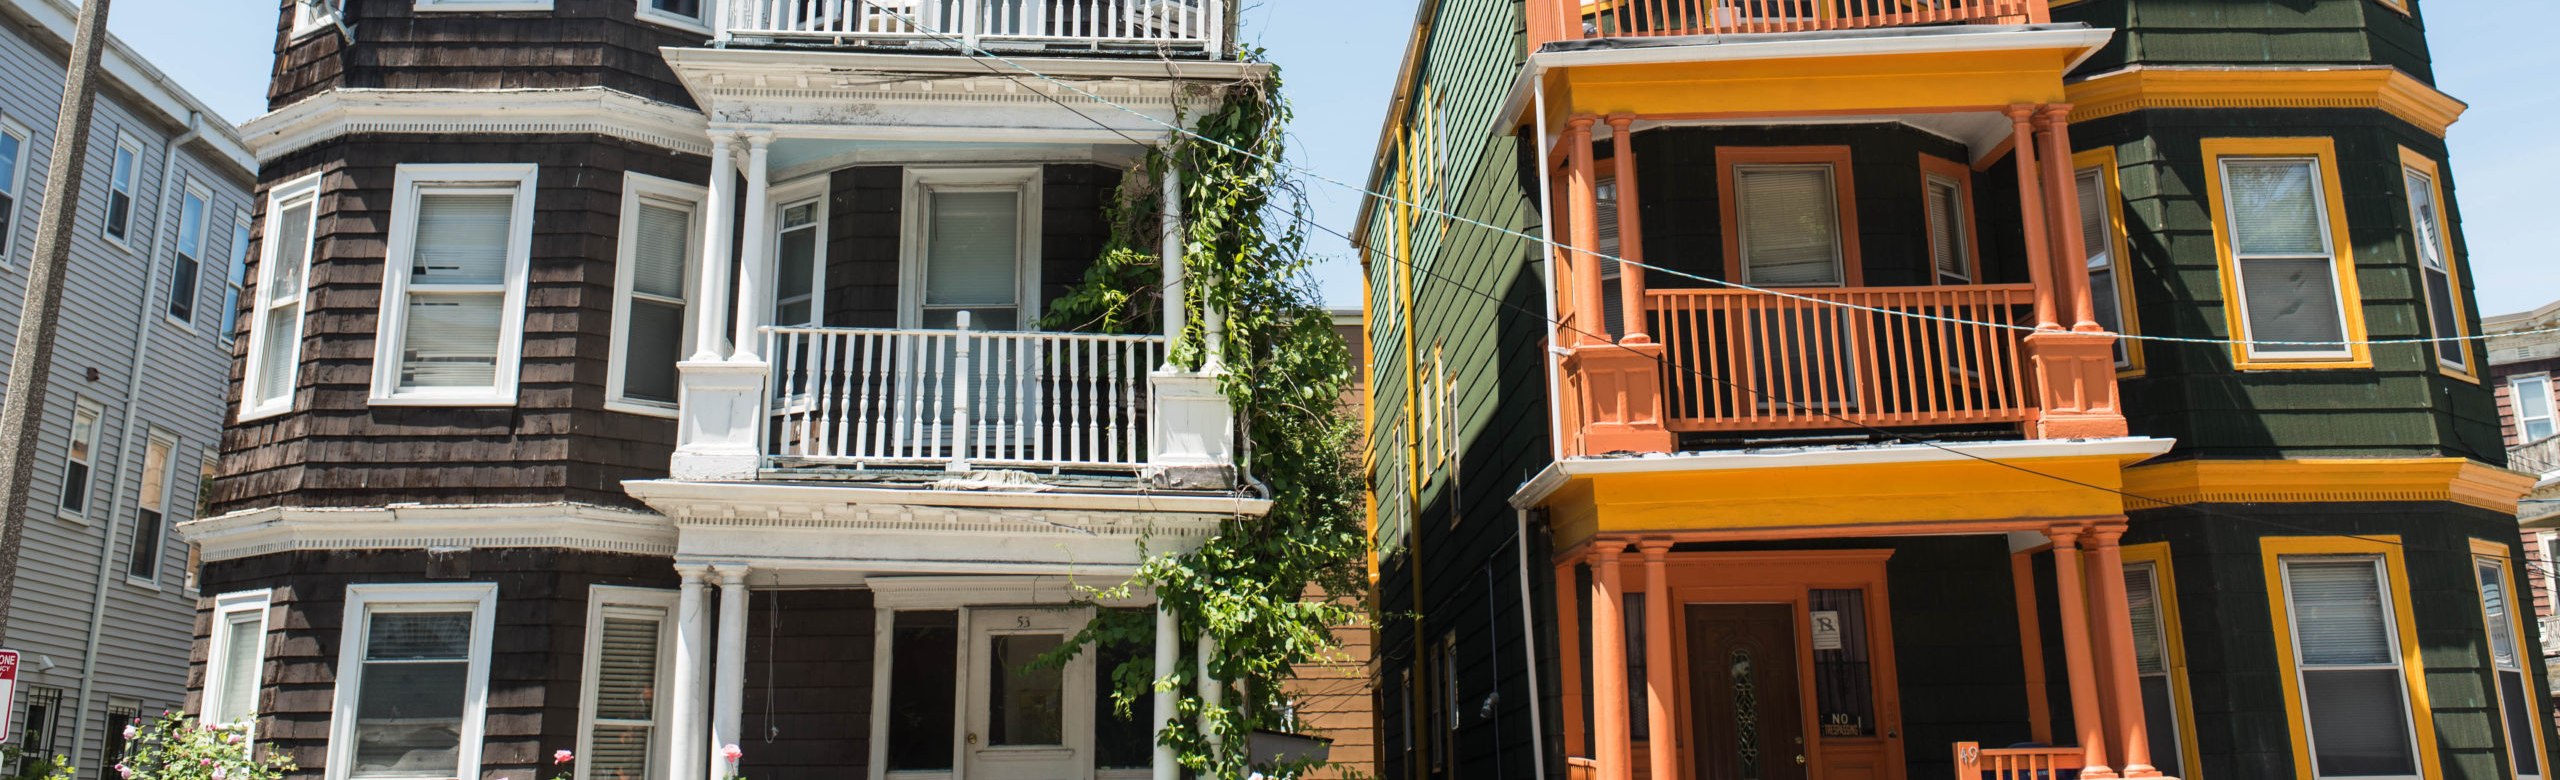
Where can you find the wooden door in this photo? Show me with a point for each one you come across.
(1745, 693)
(1026, 722)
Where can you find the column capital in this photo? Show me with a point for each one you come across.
(731, 574)
(1608, 550)
(1579, 124)
(2021, 113)
(692, 572)
(1655, 549)
(759, 139)
(1619, 122)
(2105, 536)
(2054, 114)
(2065, 537)
(721, 139)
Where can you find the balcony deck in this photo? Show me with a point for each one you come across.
(1194, 28)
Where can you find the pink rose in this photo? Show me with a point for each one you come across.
(204, 762)
(563, 757)
(130, 731)
(731, 752)
(230, 739)
(221, 772)
(124, 771)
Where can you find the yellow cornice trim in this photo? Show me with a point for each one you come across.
(2386, 88)
(2341, 480)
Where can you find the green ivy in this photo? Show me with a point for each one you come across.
(1247, 588)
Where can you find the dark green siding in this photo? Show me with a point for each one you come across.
(2232, 658)
(2253, 33)
(2402, 407)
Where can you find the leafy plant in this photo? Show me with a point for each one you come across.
(33, 768)
(1246, 588)
(176, 747)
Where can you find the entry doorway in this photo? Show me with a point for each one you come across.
(1020, 727)
(1746, 716)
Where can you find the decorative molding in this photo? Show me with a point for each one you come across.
(2376, 87)
(2341, 480)
(418, 527)
(597, 110)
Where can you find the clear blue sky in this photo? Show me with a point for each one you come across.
(1340, 57)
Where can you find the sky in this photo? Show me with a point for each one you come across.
(1339, 57)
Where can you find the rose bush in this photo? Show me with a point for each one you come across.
(176, 747)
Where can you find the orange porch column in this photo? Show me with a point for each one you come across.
(2115, 628)
(1630, 233)
(2085, 717)
(1620, 384)
(1569, 640)
(2063, 195)
(2075, 369)
(1583, 229)
(2022, 151)
(1609, 664)
(1662, 751)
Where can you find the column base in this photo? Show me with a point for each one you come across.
(1193, 445)
(1620, 398)
(716, 419)
(2076, 386)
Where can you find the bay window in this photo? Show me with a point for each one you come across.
(653, 275)
(2103, 250)
(275, 323)
(453, 295)
(684, 14)
(1946, 193)
(2500, 610)
(979, 253)
(413, 676)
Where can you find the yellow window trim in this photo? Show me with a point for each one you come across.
(2412, 668)
(2509, 560)
(2342, 260)
(2165, 581)
(2411, 159)
(2119, 247)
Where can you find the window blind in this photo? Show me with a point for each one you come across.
(1790, 224)
(293, 251)
(2275, 207)
(1946, 227)
(974, 249)
(462, 239)
(243, 637)
(409, 700)
(2142, 600)
(654, 333)
(665, 238)
(452, 340)
(2337, 613)
(2095, 239)
(2350, 678)
(626, 704)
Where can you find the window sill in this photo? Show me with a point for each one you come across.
(253, 414)
(663, 19)
(2304, 365)
(2457, 373)
(456, 6)
(186, 325)
(149, 585)
(76, 517)
(641, 408)
(492, 400)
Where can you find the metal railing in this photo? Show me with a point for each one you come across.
(1767, 362)
(1181, 25)
(860, 396)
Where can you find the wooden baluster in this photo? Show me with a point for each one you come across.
(1897, 350)
(860, 442)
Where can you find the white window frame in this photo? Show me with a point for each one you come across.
(235, 277)
(2169, 671)
(2391, 637)
(636, 189)
(2106, 261)
(178, 248)
(310, 16)
(813, 191)
(168, 507)
(17, 188)
(2515, 401)
(363, 601)
(1962, 228)
(254, 365)
(481, 6)
(413, 181)
(601, 600)
(2440, 250)
(920, 184)
(97, 415)
(2518, 599)
(130, 189)
(642, 10)
(2329, 253)
(217, 679)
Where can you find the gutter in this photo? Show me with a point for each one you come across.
(126, 472)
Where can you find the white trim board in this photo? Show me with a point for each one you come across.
(418, 527)
(598, 110)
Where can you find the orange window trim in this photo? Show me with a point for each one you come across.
(1844, 188)
(1962, 175)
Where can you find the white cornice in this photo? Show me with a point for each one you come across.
(699, 501)
(471, 111)
(822, 527)
(2130, 450)
(417, 527)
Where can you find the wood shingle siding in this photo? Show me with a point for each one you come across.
(535, 665)
(556, 443)
(808, 689)
(579, 43)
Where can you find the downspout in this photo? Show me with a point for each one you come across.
(142, 328)
(1547, 259)
(1529, 649)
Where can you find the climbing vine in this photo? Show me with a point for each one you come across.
(1247, 589)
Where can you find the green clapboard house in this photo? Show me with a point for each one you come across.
(1870, 390)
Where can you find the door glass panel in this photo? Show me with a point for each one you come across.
(1843, 687)
(923, 649)
(1025, 704)
(1746, 713)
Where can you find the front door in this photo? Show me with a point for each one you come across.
(1021, 724)
(1745, 692)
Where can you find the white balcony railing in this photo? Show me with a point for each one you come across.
(858, 396)
(1182, 25)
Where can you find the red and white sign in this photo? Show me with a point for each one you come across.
(8, 688)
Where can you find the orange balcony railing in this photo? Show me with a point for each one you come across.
(1752, 361)
(1567, 19)
(1975, 762)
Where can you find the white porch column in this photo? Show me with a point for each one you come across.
(1191, 432)
(729, 683)
(1168, 655)
(686, 707)
(1176, 313)
(1213, 691)
(713, 277)
(755, 279)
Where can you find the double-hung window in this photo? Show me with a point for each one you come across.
(2500, 609)
(2445, 317)
(454, 287)
(980, 236)
(236, 279)
(128, 167)
(2154, 656)
(2348, 664)
(310, 16)
(799, 291)
(2097, 251)
(1790, 224)
(189, 264)
(13, 182)
(483, 5)
(413, 678)
(661, 235)
(235, 656)
(628, 645)
(1946, 194)
(2530, 395)
(151, 521)
(79, 461)
(275, 322)
(684, 14)
(2279, 220)
(1613, 306)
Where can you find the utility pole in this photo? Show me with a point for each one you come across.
(31, 365)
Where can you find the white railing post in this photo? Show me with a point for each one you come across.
(723, 17)
(960, 413)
